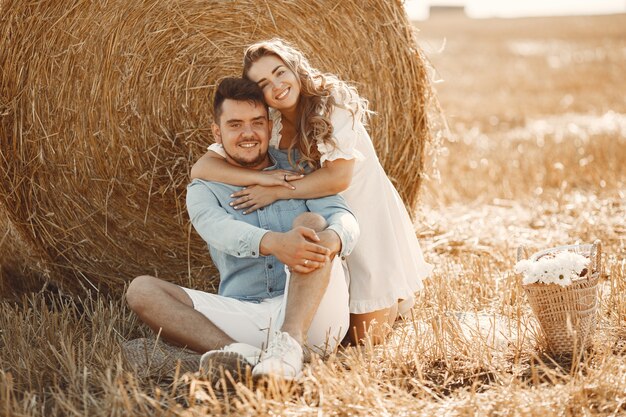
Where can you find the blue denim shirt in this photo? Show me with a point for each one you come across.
(234, 238)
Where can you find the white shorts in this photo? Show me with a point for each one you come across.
(252, 323)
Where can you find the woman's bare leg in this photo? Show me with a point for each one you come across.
(378, 323)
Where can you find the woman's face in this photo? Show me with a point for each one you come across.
(281, 87)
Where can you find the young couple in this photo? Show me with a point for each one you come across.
(313, 185)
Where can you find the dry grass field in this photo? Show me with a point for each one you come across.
(535, 156)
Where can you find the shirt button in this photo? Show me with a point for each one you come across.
(343, 258)
(261, 209)
(238, 253)
(270, 289)
(270, 266)
(253, 253)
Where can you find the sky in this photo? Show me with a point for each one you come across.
(418, 9)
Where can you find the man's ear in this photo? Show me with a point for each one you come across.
(217, 135)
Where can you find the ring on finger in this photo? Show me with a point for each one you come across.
(285, 178)
(306, 262)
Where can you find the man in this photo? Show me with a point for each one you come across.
(258, 300)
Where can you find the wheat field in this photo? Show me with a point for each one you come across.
(534, 156)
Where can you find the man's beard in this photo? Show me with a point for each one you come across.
(247, 163)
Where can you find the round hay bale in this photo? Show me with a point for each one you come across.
(104, 107)
(20, 270)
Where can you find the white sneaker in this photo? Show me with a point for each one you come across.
(234, 358)
(282, 358)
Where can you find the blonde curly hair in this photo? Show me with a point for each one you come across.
(319, 94)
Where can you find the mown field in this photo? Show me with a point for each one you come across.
(534, 156)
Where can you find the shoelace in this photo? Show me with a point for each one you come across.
(278, 346)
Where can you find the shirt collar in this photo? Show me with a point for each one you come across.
(274, 165)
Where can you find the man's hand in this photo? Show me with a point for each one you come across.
(330, 239)
(299, 248)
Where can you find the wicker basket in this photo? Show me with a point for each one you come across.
(567, 315)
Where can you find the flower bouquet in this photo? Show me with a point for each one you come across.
(560, 284)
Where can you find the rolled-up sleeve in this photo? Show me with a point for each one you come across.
(339, 218)
(218, 227)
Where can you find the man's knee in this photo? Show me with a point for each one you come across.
(137, 294)
(311, 220)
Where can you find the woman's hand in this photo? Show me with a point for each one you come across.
(253, 198)
(278, 177)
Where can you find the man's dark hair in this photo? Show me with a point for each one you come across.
(240, 89)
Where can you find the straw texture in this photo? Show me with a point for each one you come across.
(104, 107)
(567, 315)
(19, 270)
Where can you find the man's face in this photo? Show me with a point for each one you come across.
(244, 129)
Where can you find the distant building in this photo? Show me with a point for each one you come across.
(448, 10)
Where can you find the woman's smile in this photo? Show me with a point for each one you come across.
(283, 94)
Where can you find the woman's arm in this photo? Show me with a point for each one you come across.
(335, 176)
(213, 167)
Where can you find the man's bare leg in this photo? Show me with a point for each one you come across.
(284, 355)
(306, 291)
(167, 308)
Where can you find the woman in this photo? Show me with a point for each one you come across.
(320, 119)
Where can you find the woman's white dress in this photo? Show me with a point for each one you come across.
(387, 263)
